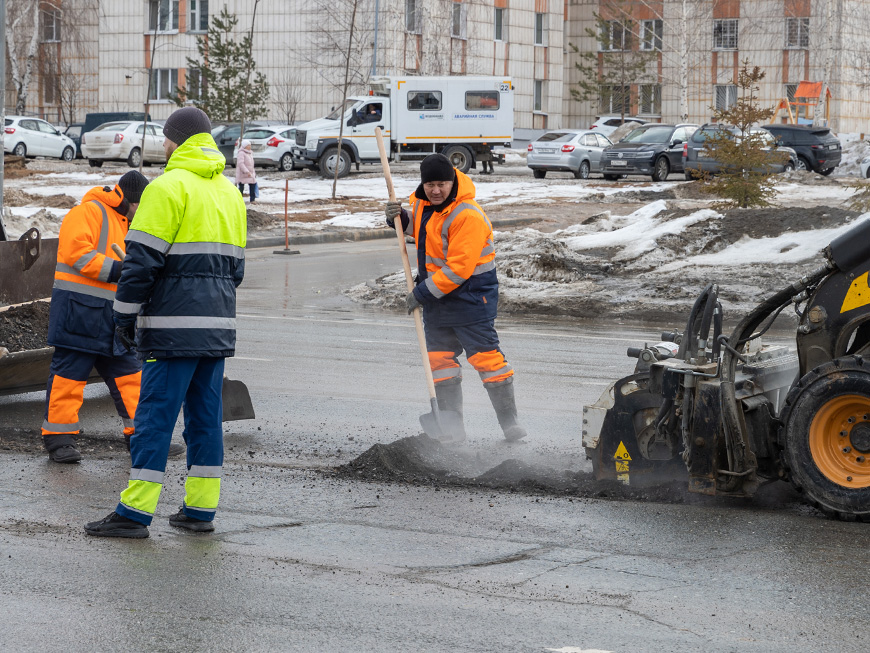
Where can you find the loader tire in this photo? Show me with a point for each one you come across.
(825, 436)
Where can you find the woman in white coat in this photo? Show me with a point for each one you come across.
(245, 173)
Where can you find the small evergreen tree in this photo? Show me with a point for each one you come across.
(606, 75)
(744, 156)
(223, 66)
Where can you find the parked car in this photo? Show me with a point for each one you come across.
(74, 131)
(816, 147)
(697, 155)
(610, 123)
(567, 150)
(123, 141)
(34, 137)
(653, 149)
(865, 168)
(271, 146)
(227, 134)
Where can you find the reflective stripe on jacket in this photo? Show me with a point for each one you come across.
(459, 284)
(86, 272)
(185, 257)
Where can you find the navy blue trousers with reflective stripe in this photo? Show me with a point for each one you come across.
(473, 338)
(167, 384)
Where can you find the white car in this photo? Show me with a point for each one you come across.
(34, 137)
(271, 146)
(865, 168)
(610, 123)
(122, 141)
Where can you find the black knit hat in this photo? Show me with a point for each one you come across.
(185, 123)
(436, 167)
(132, 184)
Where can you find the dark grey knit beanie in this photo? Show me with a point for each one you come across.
(132, 184)
(436, 167)
(185, 123)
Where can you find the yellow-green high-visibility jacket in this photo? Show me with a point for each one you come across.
(185, 257)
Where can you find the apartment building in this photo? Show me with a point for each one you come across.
(698, 46)
(300, 46)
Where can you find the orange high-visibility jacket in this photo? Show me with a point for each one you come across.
(86, 273)
(456, 258)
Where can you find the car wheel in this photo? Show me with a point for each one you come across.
(95, 163)
(788, 167)
(460, 157)
(286, 163)
(582, 171)
(539, 174)
(68, 154)
(135, 158)
(331, 159)
(826, 171)
(802, 164)
(661, 170)
(20, 150)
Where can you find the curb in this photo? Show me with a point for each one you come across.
(357, 235)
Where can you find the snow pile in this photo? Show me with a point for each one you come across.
(362, 220)
(855, 150)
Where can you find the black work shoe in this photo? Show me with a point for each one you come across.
(180, 520)
(175, 450)
(115, 525)
(61, 448)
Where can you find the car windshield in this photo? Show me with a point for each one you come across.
(8, 122)
(259, 133)
(556, 137)
(217, 130)
(116, 126)
(649, 135)
(335, 114)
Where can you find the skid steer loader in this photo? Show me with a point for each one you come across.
(732, 414)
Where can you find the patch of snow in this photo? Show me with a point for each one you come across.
(362, 220)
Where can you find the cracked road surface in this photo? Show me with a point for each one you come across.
(304, 560)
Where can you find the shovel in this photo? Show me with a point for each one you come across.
(234, 394)
(440, 424)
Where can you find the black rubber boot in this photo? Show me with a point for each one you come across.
(449, 394)
(62, 448)
(180, 520)
(114, 525)
(175, 450)
(501, 395)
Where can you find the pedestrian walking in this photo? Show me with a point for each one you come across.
(185, 259)
(80, 326)
(457, 287)
(245, 173)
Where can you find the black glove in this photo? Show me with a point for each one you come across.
(393, 210)
(127, 336)
(412, 302)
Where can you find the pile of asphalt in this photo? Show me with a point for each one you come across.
(421, 460)
(24, 327)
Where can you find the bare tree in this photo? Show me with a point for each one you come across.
(287, 95)
(22, 46)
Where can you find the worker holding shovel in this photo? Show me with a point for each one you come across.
(457, 288)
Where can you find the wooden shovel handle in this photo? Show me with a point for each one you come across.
(406, 263)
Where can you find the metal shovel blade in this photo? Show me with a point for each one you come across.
(443, 425)
(236, 400)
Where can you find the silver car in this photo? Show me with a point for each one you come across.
(567, 150)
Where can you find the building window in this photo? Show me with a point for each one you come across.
(424, 100)
(412, 17)
(615, 99)
(790, 90)
(650, 99)
(198, 16)
(613, 35)
(500, 25)
(163, 83)
(651, 35)
(194, 84)
(50, 25)
(797, 32)
(540, 29)
(458, 29)
(481, 101)
(725, 34)
(725, 96)
(162, 15)
(539, 94)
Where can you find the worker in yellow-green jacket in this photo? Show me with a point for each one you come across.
(176, 304)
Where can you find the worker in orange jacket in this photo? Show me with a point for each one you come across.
(80, 326)
(457, 288)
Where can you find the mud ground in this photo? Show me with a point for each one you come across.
(24, 327)
(13, 440)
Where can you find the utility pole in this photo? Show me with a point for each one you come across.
(148, 92)
(248, 77)
(375, 48)
(3, 235)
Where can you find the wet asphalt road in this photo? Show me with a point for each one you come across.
(305, 561)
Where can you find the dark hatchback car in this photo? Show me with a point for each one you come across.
(817, 148)
(697, 155)
(655, 150)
